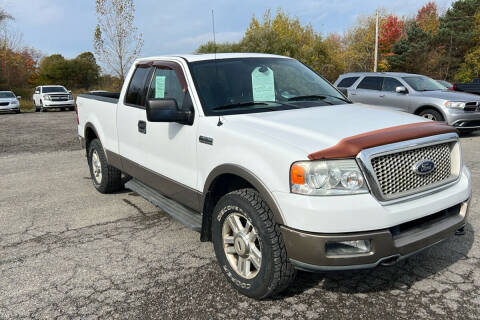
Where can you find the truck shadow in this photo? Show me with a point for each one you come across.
(400, 276)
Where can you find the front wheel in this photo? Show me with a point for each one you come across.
(249, 245)
(431, 114)
(106, 179)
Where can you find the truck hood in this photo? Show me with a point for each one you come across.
(317, 128)
(449, 95)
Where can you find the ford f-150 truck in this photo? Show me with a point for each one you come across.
(275, 166)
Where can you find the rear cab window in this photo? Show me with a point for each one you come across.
(347, 82)
(371, 83)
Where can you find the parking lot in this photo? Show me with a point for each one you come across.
(68, 251)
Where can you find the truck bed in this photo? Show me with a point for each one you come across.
(99, 110)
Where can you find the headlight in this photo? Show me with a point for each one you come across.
(47, 97)
(327, 177)
(455, 105)
(70, 97)
(14, 103)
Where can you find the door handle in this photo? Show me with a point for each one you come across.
(382, 96)
(352, 93)
(142, 126)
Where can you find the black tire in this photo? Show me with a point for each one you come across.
(111, 178)
(431, 114)
(71, 108)
(42, 109)
(18, 111)
(276, 272)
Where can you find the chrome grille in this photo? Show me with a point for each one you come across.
(395, 174)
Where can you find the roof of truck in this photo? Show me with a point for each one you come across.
(212, 56)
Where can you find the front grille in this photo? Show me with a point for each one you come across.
(395, 172)
(4, 104)
(59, 98)
(471, 106)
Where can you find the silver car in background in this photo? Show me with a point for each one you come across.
(9, 102)
(415, 94)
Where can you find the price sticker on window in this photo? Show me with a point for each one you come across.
(263, 84)
(160, 87)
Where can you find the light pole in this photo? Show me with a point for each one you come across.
(376, 45)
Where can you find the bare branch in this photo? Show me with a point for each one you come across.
(117, 42)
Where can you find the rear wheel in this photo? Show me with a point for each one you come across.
(249, 245)
(431, 114)
(106, 179)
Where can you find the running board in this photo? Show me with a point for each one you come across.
(180, 213)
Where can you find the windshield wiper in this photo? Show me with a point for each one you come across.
(240, 104)
(316, 97)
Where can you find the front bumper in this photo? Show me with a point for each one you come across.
(9, 108)
(307, 251)
(58, 104)
(463, 120)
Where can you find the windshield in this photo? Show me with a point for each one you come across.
(54, 89)
(245, 85)
(422, 83)
(7, 94)
(444, 83)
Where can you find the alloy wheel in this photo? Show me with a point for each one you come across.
(242, 245)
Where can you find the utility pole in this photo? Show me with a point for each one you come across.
(376, 46)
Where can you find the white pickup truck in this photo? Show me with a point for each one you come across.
(275, 166)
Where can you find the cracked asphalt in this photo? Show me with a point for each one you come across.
(67, 251)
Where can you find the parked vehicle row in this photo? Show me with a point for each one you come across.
(415, 94)
(275, 166)
(9, 102)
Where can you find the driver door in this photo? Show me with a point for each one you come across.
(170, 148)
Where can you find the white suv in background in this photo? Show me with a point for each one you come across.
(48, 97)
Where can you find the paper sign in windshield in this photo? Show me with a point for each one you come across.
(263, 84)
(160, 87)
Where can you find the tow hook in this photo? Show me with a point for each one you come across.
(460, 232)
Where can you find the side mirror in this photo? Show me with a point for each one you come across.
(19, 97)
(166, 110)
(401, 89)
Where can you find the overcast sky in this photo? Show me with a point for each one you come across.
(66, 26)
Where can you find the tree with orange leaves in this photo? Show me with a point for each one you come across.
(427, 18)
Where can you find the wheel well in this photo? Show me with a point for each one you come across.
(90, 134)
(417, 112)
(222, 185)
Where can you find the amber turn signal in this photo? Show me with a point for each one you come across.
(297, 174)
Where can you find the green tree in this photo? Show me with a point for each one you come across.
(456, 34)
(81, 72)
(225, 47)
(411, 53)
(470, 68)
(282, 35)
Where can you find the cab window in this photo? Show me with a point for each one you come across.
(166, 85)
(371, 83)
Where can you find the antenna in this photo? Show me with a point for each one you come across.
(214, 41)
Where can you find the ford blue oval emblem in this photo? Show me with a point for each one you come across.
(424, 167)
